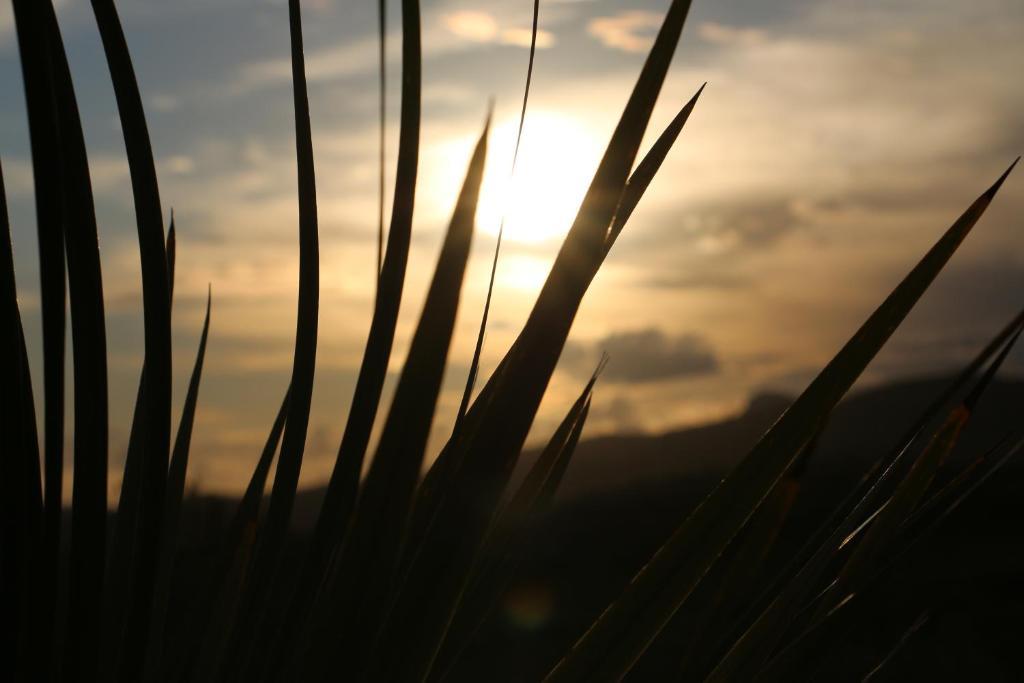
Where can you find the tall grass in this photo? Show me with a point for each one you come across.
(400, 572)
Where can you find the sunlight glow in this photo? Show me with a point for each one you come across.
(523, 272)
(557, 159)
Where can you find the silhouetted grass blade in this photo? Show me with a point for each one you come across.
(430, 594)
(622, 633)
(385, 500)
(157, 329)
(774, 613)
(382, 38)
(474, 365)
(267, 556)
(810, 646)
(171, 248)
(120, 560)
(545, 474)
(910, 491)
(216, 608)
(339, 500)
(734, 576)
(648, 167)
(89, 489)
(930, 508)
(20, 484)
(44, 143)
(507, 540)
(172, 506)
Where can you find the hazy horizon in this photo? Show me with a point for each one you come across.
(833, 144)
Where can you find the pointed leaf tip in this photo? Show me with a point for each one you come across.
(488, 119)
(999, 183)
(972, 399)
(601, 365)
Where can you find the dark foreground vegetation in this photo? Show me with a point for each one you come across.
(399, 577)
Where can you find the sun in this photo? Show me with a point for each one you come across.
(557, 159)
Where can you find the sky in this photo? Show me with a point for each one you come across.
(835, 141)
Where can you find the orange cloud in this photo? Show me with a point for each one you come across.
(482, 27)
(629, 31)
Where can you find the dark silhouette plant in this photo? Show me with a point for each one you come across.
(400, 572)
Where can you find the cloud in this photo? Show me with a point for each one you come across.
(631, 31)
(723, 34)
(520, 37)
(482, 27)
(696, 280)
(715, 227)
(477, 26)
(647, 355)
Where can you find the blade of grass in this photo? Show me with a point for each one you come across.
(382, 37)
(781, 600)
(808, 646)
(435, 581)
(950, 491)
(738, 568)
(216, 609)
(648, 167)
(506, 542)
(171, 249)
(157, 332)
(910, 491)
(626, 628)
(439, 476)
(268, 553)
(474, 365)
(172, 504)
(120, 560)
(20, 484)
(44, 143)
(369, 558)
(339, 499)
(85, 284)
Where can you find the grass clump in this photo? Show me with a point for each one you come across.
(400, 572)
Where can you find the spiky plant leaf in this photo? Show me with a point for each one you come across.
(368, 560)
(20, 485)
(645, 171)
(626, 628)
(157, 332)
(172, 503)
(382, 71)
(441, 472)
(811, 645)
(342, 488)
(507, 540)
(734, 576)
(121, 549)
(45, 149)
(215, 609)
(474, 364)
(911, 490)
(89, 485)
(267, 556)
(435, 580)
(765, 624)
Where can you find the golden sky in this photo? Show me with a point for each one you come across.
(836, 139)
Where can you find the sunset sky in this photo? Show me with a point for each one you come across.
(834, 143)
